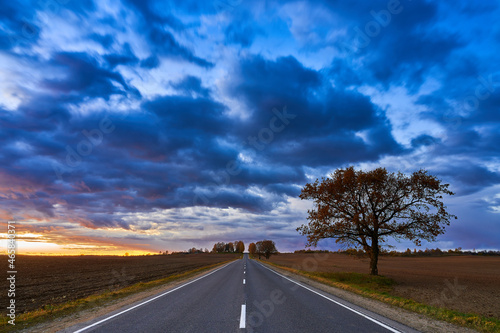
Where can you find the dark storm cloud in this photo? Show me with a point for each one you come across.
(468, 178)
(424, 140)
(106, 221)
(326, 119)
(150, 62)
(488, 104)
(412, 60)
(235, 197)
(287, 189)
(189, 129)
(105, 40)
(156, 158)
(243, 29)
(343, 74)
(127, 57)
(83, 76)
(164, 43)
(168, 147)
(237, 34)
(18, 26)
(40, 113)
(411, 45)
(397, 42)
(190, 85)
(197, 114)
(151, 14)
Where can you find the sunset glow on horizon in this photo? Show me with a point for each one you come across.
(33, 244)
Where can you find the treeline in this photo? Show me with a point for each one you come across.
(439, 252)
(262, 248)
(312, 251)
(220, 247)
(192, 250)
(231, 247)
(408, 253)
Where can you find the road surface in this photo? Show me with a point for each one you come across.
(242, 296)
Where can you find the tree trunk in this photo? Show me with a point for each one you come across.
(374, 257)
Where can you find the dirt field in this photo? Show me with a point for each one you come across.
(462, 283)
(43, 280)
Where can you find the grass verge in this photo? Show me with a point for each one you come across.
(52, 312)
(380, 287)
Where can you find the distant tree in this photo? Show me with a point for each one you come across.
(266, 248)
(258, 249)
(252, 249)
(239, 247)
(230, 247)
(219, 247)
(365, 208)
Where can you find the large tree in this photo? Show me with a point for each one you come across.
(365, 208)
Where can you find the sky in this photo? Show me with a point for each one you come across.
(143, 126)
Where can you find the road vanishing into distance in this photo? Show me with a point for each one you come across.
(242, 296)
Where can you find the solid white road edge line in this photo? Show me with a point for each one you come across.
(338, 303)
(152, 299)
(243, 316)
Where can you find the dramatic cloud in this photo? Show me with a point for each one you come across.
(150, 126)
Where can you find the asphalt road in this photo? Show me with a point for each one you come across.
(243, 296)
